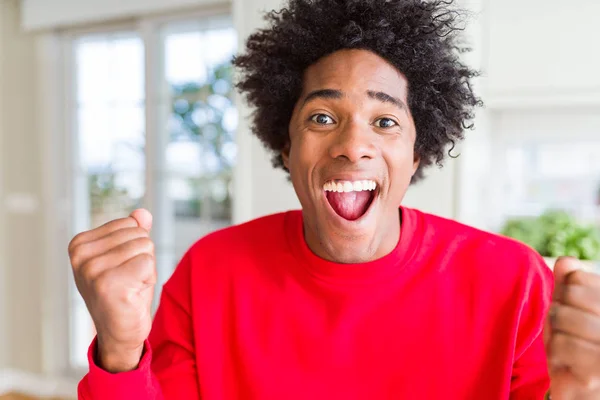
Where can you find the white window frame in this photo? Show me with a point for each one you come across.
(56, 97)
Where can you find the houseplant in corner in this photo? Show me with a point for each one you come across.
(555, 234)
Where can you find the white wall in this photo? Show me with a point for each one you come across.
(544, 51)
(21, 168)
(260, 189)
(3, 266)
(563, 125)
(542, 82)
(44, 14)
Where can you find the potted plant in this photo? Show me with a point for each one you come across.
(555, 234)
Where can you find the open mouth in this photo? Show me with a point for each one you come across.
(350, 199)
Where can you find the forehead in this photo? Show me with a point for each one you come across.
(355, 71)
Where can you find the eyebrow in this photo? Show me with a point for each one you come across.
(386, 98)
(323, 94)
(337, 94)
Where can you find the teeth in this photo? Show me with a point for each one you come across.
(348, 186)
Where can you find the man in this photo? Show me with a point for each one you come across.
(354, 297)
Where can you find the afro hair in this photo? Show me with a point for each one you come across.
(419, 38)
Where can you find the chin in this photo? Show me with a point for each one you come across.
(348, 224)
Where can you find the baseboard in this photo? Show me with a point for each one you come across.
(34, 385)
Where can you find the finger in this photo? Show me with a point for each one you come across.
(88, 250)
(575, 322)
(143, 218)
(583, 278)
(585, 298)
(563, 267)
(137, 273)
(101, 231)
(547, 332)
(580, 356)
(142, 268)
(117, 256)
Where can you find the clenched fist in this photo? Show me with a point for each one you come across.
(572, 333)
(115, 272)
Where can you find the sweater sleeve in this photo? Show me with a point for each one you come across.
(167, 369)
(530, 372)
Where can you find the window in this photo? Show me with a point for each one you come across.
(554, 176)
(155, 135)
(543, 160)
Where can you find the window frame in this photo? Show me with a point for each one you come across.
(58, 122)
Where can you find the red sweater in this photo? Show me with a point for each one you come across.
(252, 313)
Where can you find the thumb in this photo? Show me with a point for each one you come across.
(143, 218)
(563, 267)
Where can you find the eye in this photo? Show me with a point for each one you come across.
(385, 123)
(322, 119)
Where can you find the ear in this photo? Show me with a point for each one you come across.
(285, 154)
(416, 162)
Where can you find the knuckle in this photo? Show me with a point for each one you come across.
(568, 293)
(145, 267)
(80, 237)
(101, 286)
(146, 245)
(592, 325)
(130, 233)
(90, 267)
(575, 278)
(83, 274)
(559, 343)
(76, 258)
(119, 223)
(146, 258)
(141, 232)
(126, 297)
(556, 315)
(75, 242)
(83, 250)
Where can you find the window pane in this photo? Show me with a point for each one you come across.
(110, 69)
(200, 150)
(542, 176)
(110, 133)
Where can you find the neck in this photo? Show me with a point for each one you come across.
(339, 248)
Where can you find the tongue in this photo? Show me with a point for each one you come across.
(350, 205)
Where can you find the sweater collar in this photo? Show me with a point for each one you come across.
(355, 274)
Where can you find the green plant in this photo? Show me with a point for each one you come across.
(554, 234)
(201, 111)
(104, 191)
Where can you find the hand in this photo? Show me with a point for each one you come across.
(572, 333)
(115, 272)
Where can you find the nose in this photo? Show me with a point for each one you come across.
(353, 142)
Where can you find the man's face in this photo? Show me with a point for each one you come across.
(351, 155)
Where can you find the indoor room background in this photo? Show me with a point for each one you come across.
(106, 106)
